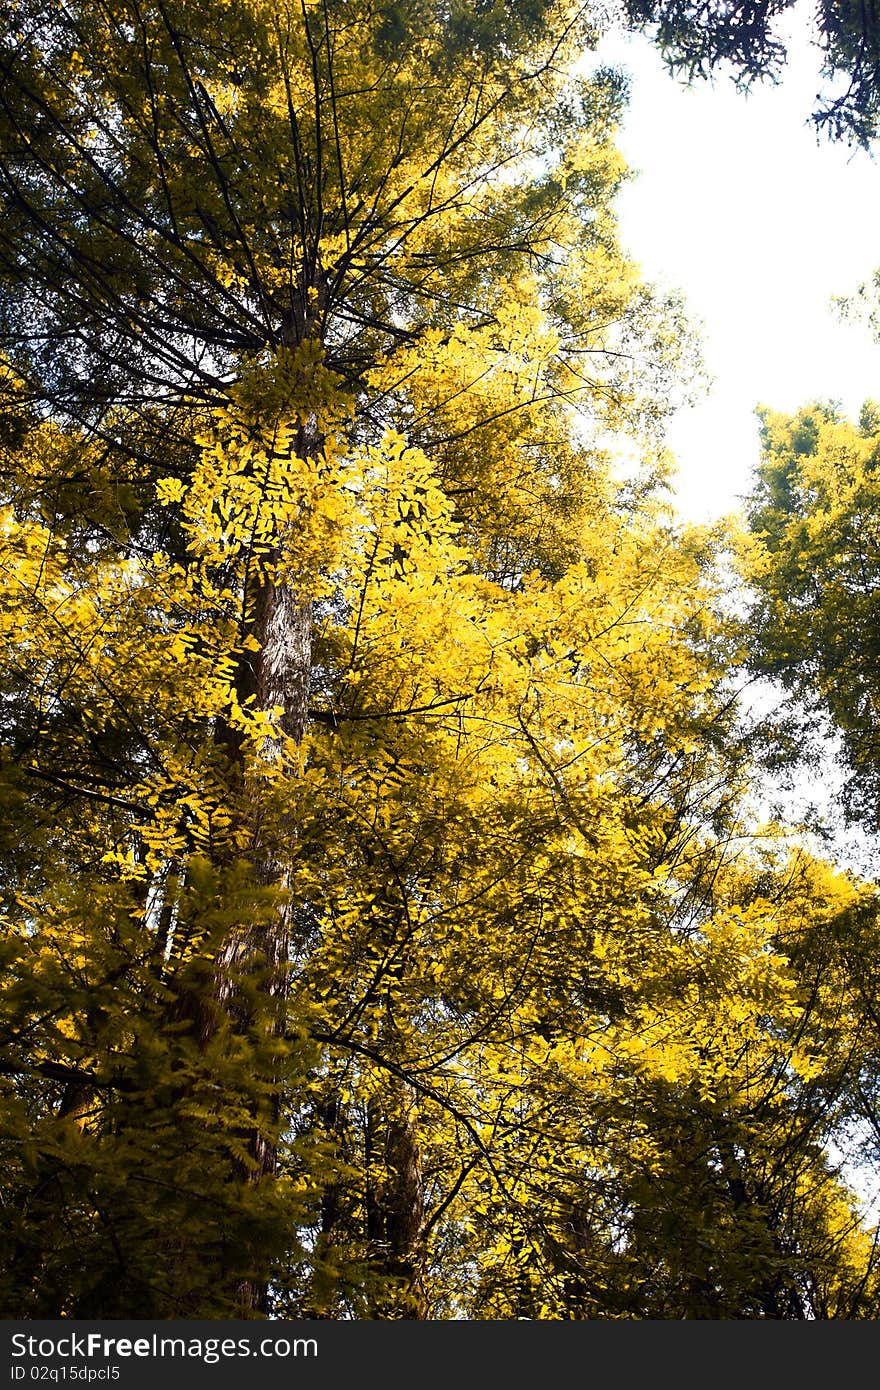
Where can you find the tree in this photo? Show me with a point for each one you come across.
(698, 36)
(811, 563)
(216, 236)
(813, 567)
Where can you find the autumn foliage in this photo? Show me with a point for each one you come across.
(388, 929)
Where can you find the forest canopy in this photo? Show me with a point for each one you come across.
(387, 928)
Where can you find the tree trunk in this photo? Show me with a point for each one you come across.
(277, 675)
(396, 1206)
(282, 625)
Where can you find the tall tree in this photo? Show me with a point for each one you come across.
(221, 227)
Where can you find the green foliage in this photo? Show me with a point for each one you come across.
(813, 564)
(699, 36)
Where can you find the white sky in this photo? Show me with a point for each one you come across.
(736, 204)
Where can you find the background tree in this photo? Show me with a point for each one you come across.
(697, 37)
(813, 567)
(811, 564)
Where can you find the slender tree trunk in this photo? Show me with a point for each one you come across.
(396, 1204)
(322, 1300)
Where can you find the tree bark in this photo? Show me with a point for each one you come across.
(282, 625)
(276, 676)
(396, 1206)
